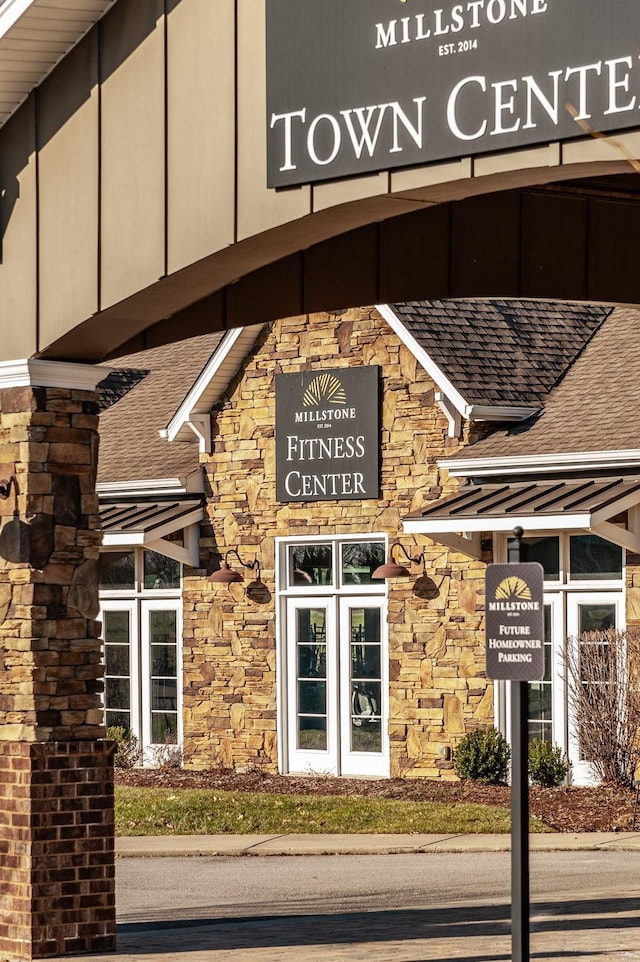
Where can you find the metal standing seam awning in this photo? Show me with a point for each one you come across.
(556, 505)
(147, 522)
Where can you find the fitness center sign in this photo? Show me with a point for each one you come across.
(355, 86)
(327, 435)
(515, 622)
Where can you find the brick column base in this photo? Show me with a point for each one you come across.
(57, 872)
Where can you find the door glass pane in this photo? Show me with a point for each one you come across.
(117, 655)
(310, 564)
(359, 561)
(540, 692)
(116, 659)
(117, 570)
(595, 666)
(160, 571)
(365, 682)
(118, 693)
(164, 728)
(594, 559)
(311, 682)
(596, 617)
(163, 659)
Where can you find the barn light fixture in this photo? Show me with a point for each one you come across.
(392, 569)
(226, 576)
(5, 487)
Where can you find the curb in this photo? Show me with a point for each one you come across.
(182, 846)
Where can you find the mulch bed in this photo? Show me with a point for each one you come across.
(600, 809)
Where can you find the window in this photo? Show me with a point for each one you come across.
(141, 628)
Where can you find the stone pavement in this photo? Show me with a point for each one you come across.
(580, 930)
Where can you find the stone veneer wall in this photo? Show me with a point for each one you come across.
(438, 689)
(57, 878)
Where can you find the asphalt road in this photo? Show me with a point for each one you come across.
(170, 889)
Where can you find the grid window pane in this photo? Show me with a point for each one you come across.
(117, 570)
(160, 572)
(310, 564)
(594, 559)
(544, 550)
(360, 560)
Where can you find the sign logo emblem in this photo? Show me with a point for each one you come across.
(324, 388)
(513, 588)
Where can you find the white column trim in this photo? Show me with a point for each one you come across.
(36, 372)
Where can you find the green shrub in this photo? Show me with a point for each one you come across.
(128, 753)
(548, 765)
(483, 755)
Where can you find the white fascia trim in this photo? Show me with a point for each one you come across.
(10, 13)
(471, 412)
(189, 406)
(136, 489)
(34, 372)
(424, 359)
(528, 522)
(547, 463)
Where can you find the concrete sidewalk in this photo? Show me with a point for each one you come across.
(175, 846)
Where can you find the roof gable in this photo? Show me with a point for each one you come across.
(131, 448)
(501, 352)
(595, 408)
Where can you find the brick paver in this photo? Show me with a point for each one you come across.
(599, 930)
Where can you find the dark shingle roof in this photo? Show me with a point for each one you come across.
(130, 446)
(502, 352)
(596, 407)
(116, 384)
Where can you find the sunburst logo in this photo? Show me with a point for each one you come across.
(325, 388)
(513, 587)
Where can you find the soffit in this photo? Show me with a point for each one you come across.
(34, 36)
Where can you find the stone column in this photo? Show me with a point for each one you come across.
(57, 883)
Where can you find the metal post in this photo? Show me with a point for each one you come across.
(519, 803)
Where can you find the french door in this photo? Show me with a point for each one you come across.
(336, 691)
(141, 651)
(592, 611)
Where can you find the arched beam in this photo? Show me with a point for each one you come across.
(574, 241)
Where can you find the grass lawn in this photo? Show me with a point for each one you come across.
(166, 811)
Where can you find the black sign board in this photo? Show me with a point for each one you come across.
(327, 435)
(515, 622)
(355, 86)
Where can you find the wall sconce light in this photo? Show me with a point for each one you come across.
(391, 569)
(226, 576)
(5, 487)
